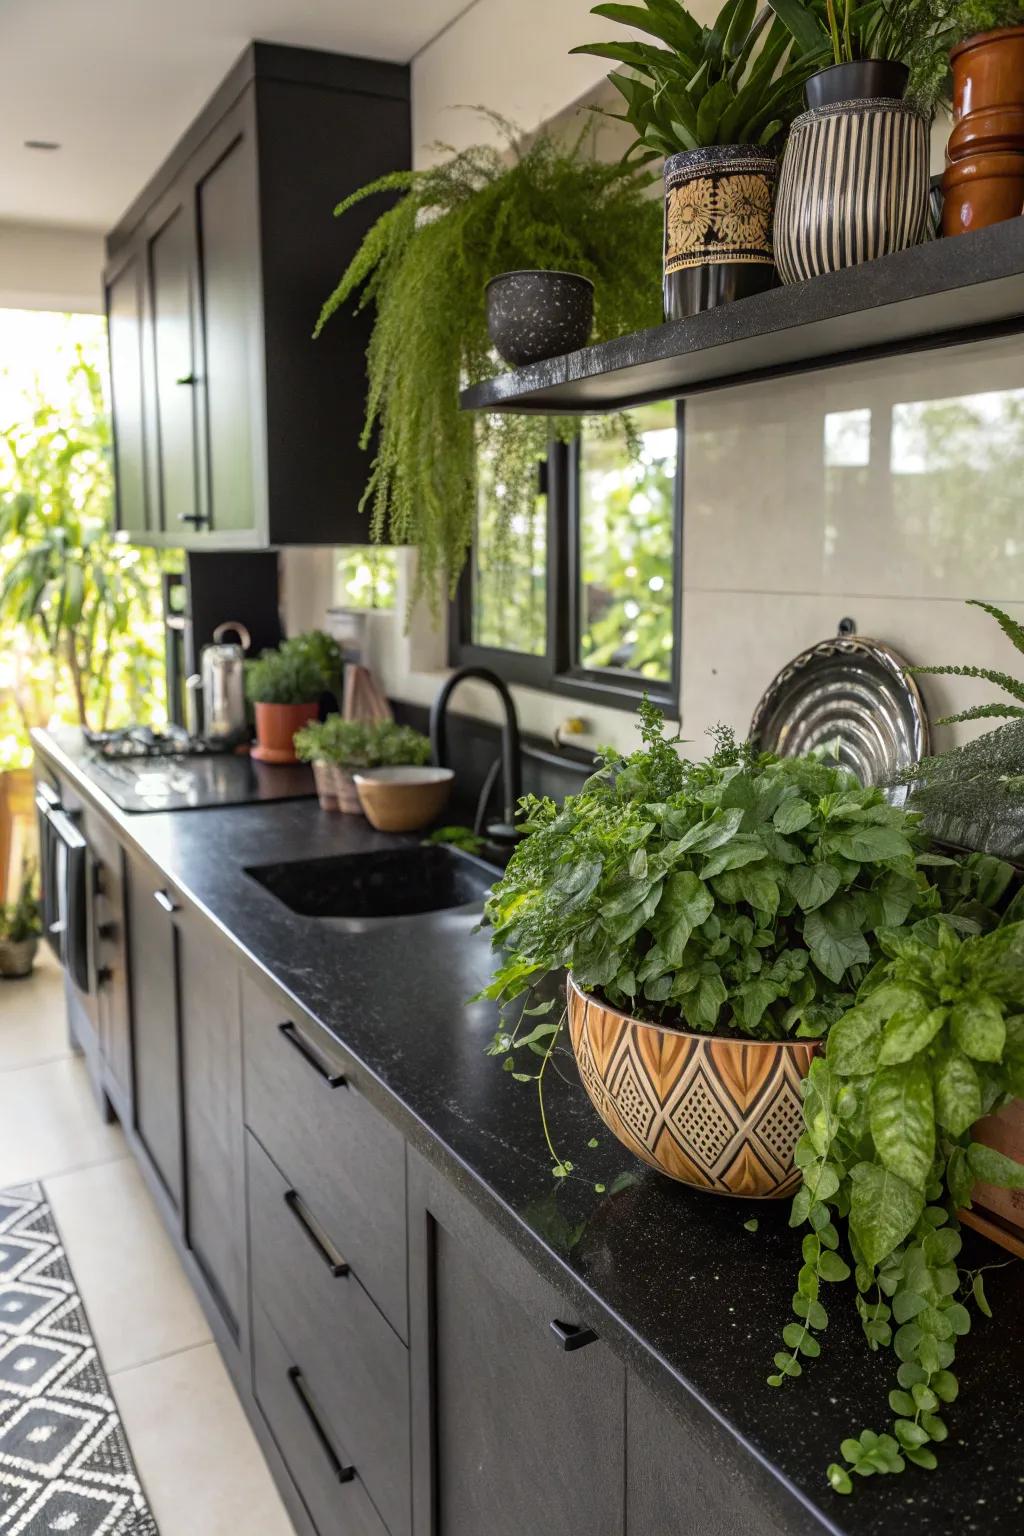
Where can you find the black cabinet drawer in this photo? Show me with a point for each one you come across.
(355, 1365)
(304, 1105)
(337, 1501)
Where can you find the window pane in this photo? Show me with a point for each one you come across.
(509, 575)
(627, 574)
(365, 577)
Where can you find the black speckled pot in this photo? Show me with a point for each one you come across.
(535, 315)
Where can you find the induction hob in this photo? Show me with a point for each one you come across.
(186, 782)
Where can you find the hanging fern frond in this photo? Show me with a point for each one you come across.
(1011, 685)
(1013, 631)
(984, 712)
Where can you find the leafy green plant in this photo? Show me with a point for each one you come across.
(424, 265)
(323, 651)
(934, 1042)
(21, 920)
(355, 744)
(742, 893)
(737, 81)
(285, 676)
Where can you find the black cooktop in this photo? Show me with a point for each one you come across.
(189, 782)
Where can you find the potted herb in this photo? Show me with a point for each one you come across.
(714, 102)
(424, 266)
(735, 926)
(285, 686)
(854, 183)
(325, 653)
(339, 748)
(20, 927)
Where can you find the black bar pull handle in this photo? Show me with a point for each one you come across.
(311, 1055)
(572, 1336)
(326, 1251)
(342, 1473)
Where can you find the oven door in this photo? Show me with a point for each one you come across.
(64, 856)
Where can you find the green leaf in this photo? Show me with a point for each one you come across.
(813, 884)
(978, 1029)
(957, 1092)
(760, 890)
(853, 1044)
(978, 1291)
(833, 936)
(800, 21)
(902, 1117)
(994, 1167)
(792, 815)
(839, 1479)
(685, 903)
(734, 855)
(909, 1032)
(869, 844)
(831, 1267)
(884, 1209)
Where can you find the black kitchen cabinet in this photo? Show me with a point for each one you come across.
(512, 1431)
(152, 958)
(233, 428)
(211, 1075)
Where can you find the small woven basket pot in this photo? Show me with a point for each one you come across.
(719, 1114)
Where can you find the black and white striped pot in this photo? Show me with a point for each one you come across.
(718, 226)
(854, 185)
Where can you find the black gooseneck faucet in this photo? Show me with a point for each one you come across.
(503, 831)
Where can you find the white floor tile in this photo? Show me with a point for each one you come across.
(139, 1303)
(199, 1462)
(32, 1018)
(50, 1123)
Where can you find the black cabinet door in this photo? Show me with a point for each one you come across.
(172, 285)
(211, 1070)
(511, 1433)
(152, 947)
(230, 396)
(111, 955)
(125, 332)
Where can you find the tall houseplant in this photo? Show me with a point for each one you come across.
(423, 266)
(715, 101)
(714, 914)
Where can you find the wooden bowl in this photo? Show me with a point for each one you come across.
(403, 799)
(720, 1114)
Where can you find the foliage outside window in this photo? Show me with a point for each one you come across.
(83, 639)
(509, 571)
(365, 577)
(626, 533)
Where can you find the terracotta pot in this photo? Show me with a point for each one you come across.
(718, 226)
(984, 179)
(403, 799)
(276, 725)
(17, 957)
(999, 1213)
(719, 1114)
(854, 186)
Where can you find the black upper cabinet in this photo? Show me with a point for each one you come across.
(233, 428)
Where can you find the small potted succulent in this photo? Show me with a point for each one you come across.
(714, 102)
(285, 687)
(775, 985)
(338, 749)
(20, 928)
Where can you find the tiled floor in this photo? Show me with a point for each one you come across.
(198, 1460)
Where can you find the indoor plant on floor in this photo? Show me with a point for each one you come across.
(424, 265)
(714, 102)
(339, 748)
(284, 686)
(20, 928)
(712, 913)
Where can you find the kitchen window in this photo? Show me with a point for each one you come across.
(582, 597)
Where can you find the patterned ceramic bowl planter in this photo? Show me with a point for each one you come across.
(854, 186)
(718, 226)
(721, 1114)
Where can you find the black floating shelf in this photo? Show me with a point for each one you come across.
(949, 291)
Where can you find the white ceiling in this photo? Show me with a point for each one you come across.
(116, 82)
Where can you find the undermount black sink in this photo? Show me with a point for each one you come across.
(391, 882)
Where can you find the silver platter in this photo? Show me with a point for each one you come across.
(853, 696)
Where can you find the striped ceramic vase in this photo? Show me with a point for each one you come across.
(854, 185)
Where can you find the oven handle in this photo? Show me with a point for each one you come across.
(72, 897)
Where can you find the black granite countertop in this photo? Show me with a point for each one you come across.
(670, 1277)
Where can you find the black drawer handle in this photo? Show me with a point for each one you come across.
(335, 1263)
(572, 1336)
(342, 1473)
(310, 1054)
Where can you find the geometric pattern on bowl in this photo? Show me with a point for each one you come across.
(719, 1114)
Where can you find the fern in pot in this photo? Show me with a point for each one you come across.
(775, 986)
(714, 102)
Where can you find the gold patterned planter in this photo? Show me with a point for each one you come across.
(720, 1114)
(719, 209)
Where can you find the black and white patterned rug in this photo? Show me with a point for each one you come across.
(65, 1465)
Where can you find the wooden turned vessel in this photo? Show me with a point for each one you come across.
(984, 179)
(719, 1114)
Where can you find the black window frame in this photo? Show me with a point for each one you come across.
(559, 670)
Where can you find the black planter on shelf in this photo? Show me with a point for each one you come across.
(718, 226)
(863, 80)
(535, 315)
